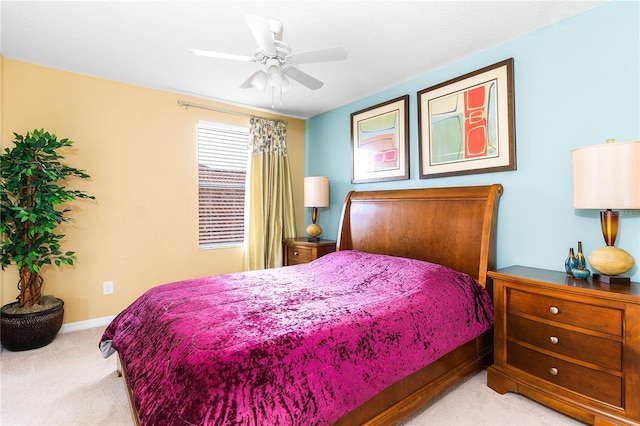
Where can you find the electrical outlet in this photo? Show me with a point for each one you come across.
(107, 287)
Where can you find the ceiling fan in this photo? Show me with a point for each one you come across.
(277, 58)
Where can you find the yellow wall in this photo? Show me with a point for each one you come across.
(139, 147)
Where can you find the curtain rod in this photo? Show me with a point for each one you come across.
(188, 104)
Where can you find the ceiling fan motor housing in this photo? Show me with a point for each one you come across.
(283, 51)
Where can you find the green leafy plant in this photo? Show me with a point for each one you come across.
(31, 191)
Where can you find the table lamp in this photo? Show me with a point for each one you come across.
(607, 177)
(316, 194)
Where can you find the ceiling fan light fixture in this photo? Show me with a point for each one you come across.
(274, 76)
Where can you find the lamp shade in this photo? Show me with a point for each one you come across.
(316, 191)
(606, 176)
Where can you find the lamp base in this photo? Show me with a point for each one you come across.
(314, 231)
(612, 279)
(611, 260)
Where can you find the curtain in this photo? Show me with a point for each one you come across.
(270, 214)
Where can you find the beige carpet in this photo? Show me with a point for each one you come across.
(69, 383)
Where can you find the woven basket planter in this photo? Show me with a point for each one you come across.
(21, 332)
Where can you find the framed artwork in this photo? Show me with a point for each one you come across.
(466, 125)
(380, 142)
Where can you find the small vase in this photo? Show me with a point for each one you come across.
(582, 263)
(571, 262)
(580, 273)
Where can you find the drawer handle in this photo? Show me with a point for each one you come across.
(553, 371)
(554, 340)
(554, 310)
(295, 253)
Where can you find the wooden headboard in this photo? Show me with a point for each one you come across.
(455, 227)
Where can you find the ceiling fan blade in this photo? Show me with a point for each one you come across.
(322, 55)
(220, 55)
(260, 29)
(249, 83)
(303, 78)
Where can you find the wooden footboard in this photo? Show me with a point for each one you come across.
(410, 394)
(404, 397)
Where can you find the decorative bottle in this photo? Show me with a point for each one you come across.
(571, 262)
(582, 263)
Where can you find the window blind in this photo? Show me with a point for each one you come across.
(223, 154)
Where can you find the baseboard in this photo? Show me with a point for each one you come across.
(83, 325)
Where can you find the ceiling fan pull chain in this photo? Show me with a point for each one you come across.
(273, 95)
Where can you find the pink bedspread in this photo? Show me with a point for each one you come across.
(298, 345)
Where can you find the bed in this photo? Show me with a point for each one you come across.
(346, 339)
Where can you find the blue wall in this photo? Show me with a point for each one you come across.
(577, 83)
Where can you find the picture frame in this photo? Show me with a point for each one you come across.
(466, 125)
(380, 142)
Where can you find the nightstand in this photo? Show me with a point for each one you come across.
(301, 250)
(573, 345)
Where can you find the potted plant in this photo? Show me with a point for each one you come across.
(31, 191)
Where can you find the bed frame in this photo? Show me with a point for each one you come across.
(455, 227)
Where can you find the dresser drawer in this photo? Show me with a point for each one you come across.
(296, 255)
(596, 350)
(598, 318)
(595, 384)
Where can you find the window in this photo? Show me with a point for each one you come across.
(223, 153)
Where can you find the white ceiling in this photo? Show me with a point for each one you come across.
(146, 43)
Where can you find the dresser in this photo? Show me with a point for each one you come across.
(301, 250)
(573, 345)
